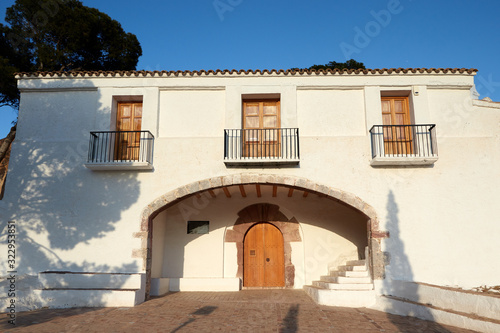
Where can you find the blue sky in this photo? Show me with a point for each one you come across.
(266, 34)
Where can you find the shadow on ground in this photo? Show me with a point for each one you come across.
(244, 311)
(30, 319)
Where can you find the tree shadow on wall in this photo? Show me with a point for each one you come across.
(58, 204)
(27, 297)
(49, 190)
(394, 286)
(68, 202)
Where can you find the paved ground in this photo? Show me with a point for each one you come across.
(244, 311)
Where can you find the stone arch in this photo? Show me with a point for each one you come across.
(264, 212)
(375, 256)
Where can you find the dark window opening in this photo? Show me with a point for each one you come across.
(197, 227)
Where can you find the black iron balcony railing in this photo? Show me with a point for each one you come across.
(403, 141)
(261, 144)
(121, 146)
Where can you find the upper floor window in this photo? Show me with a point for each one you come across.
(128, 127)
(129, 116)
(399, 141)
(261, 114)
(396, 118)
(261, 140)
(261, 123)
(125, 146)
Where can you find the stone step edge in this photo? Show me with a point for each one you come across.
(333, 290)
(322, 279)
(344, 282)
(92, 289)
(319, 288)
(85, 273)
(337, 291)
(464, 314)
(349, 279)
(342, 298)
(344, 277)
(348, 287)
(344, 268)
(339, 270)
(346, 273)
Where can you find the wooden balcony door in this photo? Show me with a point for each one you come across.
(397, 139)
(261, 128)
(264, 257)
(128, 118)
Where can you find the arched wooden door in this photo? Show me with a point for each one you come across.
(264, 257)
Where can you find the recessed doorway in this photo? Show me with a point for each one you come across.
(264, 257)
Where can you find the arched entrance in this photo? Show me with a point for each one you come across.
(248, 217)
(264, 257)
(292, 184)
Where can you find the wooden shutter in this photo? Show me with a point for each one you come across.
(261, 128)
(396, 117)
(128, 126)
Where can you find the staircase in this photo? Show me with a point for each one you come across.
(350, 286)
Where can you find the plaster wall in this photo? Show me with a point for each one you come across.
(457, 194)
(327, 113)
(441, 219)
(191, 114)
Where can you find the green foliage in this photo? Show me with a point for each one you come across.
(349, 64)
(10, 62)
(60, 35)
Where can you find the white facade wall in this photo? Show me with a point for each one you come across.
(442, 219)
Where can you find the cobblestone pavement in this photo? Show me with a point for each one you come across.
(243, 311)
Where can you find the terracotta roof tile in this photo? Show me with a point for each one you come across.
(142, 73)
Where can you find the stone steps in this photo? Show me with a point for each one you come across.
(348, 274)
(350, 268)
(346, 279)
(350, 285)
(342, 286)
(346, 298)
(355, 263)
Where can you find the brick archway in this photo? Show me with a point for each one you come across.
(376, 257)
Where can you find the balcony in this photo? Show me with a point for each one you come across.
(403, 145)
(120, 150)
(261, 147)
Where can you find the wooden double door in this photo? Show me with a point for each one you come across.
(264, 257)
(128, 126)
(398, 136)
(261, 128)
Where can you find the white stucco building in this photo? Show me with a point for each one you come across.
(123, 185)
